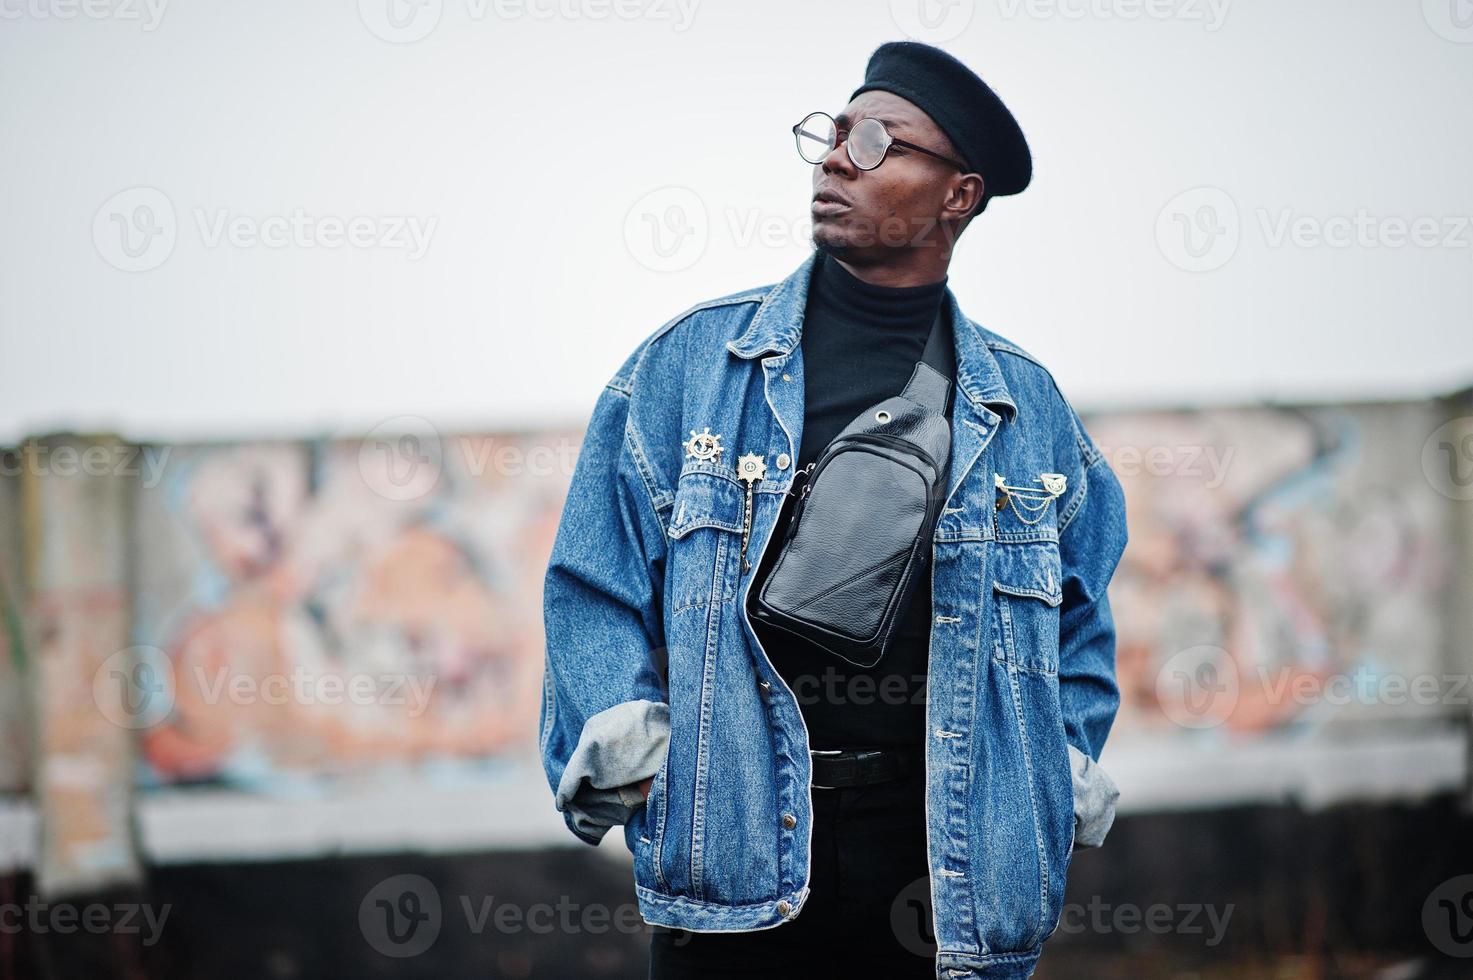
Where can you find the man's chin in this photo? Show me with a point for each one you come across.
(830, 239)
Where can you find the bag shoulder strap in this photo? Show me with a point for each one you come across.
(930, 382)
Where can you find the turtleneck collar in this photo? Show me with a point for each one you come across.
(864, 305)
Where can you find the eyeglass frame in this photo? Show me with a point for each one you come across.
(890, 140)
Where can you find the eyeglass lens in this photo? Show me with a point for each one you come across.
(866, 142)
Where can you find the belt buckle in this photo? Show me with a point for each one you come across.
(813, 752)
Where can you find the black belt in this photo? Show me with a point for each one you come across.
(840, 768)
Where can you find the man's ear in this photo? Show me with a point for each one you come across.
(965, 198)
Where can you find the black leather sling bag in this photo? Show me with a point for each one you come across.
(860, 534)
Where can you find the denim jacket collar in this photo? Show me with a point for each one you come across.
(778, 324)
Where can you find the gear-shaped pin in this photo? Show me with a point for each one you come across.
(704, 445)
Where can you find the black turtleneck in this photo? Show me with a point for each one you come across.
(860, 344)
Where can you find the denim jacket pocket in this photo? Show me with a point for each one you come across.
(647, 828)
(705, 531)
(1026, 581)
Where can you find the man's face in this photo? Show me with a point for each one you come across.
(863, 214)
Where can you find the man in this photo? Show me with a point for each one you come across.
(789, 812)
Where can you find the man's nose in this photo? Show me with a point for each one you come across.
(837, 161)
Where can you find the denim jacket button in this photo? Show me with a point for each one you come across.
(784, 907)
(765, 685)
(789, 821)
(783, 459)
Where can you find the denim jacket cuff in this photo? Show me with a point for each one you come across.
(1095, 795)
(619, 747)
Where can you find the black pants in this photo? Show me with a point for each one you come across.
(869, 908)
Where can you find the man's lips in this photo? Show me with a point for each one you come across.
(829, 202)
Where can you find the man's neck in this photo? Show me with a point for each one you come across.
(913, 268)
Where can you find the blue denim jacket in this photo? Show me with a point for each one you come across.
(653, 667)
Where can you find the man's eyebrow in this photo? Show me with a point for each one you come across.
(843, 120)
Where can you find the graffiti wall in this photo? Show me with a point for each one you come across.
(335, 607)
(347, 607)
(1287, 569)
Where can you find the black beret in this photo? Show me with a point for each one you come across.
(971, 115)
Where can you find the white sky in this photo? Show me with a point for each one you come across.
(527, 139)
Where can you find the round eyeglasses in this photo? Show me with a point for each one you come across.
(867, 142)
